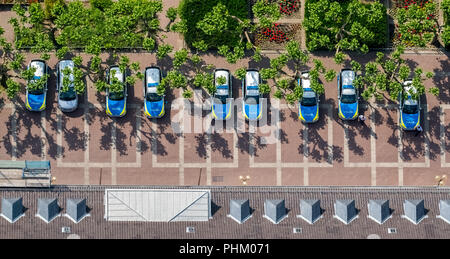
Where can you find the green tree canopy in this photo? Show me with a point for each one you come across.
(344, 25)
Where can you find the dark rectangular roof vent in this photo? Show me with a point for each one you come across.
(297, 230)
(392, 231)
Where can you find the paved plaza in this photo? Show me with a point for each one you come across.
(88, 147)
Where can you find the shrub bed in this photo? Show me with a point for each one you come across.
(277, 36)
(347, 24)
(193, 11)
(101, 25)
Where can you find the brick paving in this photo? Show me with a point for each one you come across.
(88, 147)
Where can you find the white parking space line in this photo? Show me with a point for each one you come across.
(43, 136)
(305, 155)
(373, 148)
(13, 135)
(86, 144)
(443, 140)
(114, 151)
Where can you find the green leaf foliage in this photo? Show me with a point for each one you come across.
(163, 51)
(347, 25)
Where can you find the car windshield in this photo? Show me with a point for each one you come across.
(222, 98)
(116, 96)
(348, 98)
(68, 96)
(309, 101)
(36, 91)
(410, 109)
(252, 99)
(153, 97)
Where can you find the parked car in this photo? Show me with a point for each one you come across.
(36, 99)
(409, 107)
(154, 103)
(347, 95)
(252, 108)
(116, 102)
(308, 108)
(222, 99)
(67, 101)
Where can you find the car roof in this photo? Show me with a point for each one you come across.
(347, 77)
(218, 73)
(62, 65)
(118, 74)
(40, 67)
(252, 78)
(66, 63)
(152, 75)
(306, 82)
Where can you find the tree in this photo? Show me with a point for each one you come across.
(387, 74)
(228, 33)
(445, 34)
(348, 25)
(285, 80)
(114, 84)
(11, 65)
(202, 76)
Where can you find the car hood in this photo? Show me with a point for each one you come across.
(221, 111)
(154, 108)
(252, 111)
(35, 101)
(308, 113)
(410, 120)
(348, 110)
(116, 107)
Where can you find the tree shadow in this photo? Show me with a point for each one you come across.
(320, 150)
(218, 143)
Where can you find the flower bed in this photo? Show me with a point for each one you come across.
(276, 37)
(289, 9)
(416, 23)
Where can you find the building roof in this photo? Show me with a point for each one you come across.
(221, 226)
(157, 205)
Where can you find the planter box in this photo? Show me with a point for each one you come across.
(292, 31)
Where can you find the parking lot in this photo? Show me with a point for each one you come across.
(89, 147)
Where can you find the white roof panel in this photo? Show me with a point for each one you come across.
(220, 73)
(118, 74)
(306, 82)
(347, 77)
(252, 78)
(40, 68)
(157, 205)
(152, 75)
